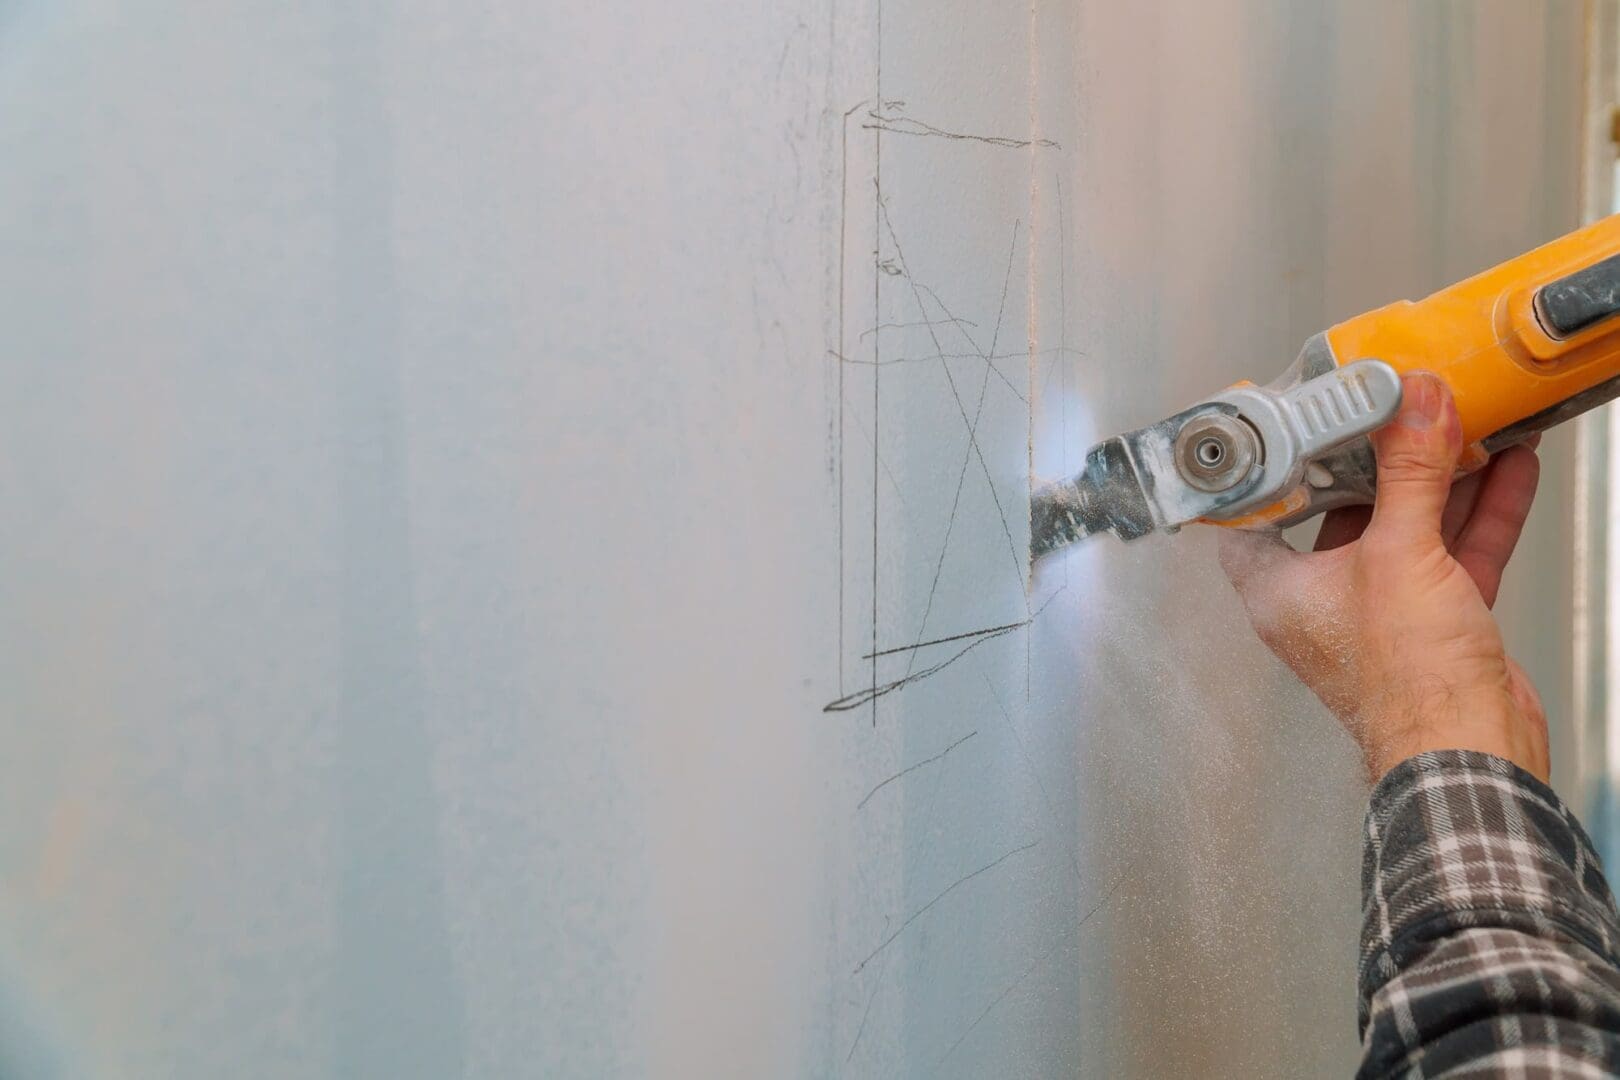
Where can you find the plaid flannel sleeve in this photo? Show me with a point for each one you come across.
(1488, 944)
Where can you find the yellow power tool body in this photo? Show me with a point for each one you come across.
(1523, 346)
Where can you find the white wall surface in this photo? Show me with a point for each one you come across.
(454, 454)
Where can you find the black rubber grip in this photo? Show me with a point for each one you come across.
(1587, 297)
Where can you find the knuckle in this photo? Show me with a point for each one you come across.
(1407, 465)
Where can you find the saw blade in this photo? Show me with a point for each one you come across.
(1105, 496)
(1061, 514)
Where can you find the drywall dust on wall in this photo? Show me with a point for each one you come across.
(517, 549)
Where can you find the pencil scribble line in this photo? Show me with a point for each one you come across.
(866, 1013)
(1034, 773)
(877, 342)
(913, 324)
(1019, 562)
(914, 768)
(952, 887)
(972, 443)
(899, 492)
(1005, 993)
(1062, 940)
(905, 125)
(933, 357)
(843, 233)
(861, 697)
(928, 833)
(917, 289)
(1010, 385)
(946, 640)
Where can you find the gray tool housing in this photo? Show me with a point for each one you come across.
(1239, 451)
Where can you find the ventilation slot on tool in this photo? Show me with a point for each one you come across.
(1334, 405)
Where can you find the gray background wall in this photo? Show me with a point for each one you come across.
(455, 454)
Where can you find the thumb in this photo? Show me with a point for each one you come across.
(1417, 457)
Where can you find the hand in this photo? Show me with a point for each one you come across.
(1389, 620)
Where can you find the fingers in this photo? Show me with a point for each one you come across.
(1488, 537)
(1341, 526)
(1417, 455)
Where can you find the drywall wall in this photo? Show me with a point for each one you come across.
(514, 550)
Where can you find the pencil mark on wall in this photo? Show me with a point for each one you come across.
(1066, 938)
(938, 358)
(899, 492)
(866, 1013)
(913, 324)
(945, 640)
(882, 119)
(973, 447)
(929, 834)
(973, 443)
(1033, 772)
(929, 358)
(913, 768)
(889, 261)
(865, 695)
(943, 893)
(918, 344)
(1010, 385)
(1006, 992)
(843, 230)
(979, 637)
(877, 344)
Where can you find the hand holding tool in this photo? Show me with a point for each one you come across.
(1523, 346)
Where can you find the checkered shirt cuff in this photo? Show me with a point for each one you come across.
(1489, 934)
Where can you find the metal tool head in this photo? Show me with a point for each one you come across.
(1241, 450)
(1107, 495)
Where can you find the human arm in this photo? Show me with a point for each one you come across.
(1488, 943)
